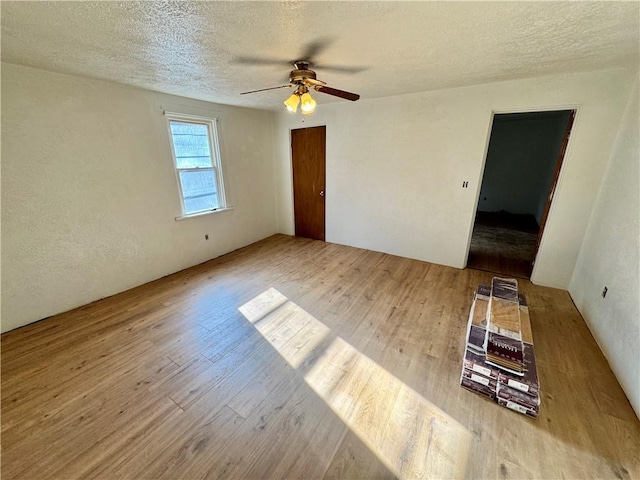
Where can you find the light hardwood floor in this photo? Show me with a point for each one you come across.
(293, 358)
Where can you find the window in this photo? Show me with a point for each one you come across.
(196, 156)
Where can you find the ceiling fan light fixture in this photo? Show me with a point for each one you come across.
(308, 104)
(292, 102)
(303, 79)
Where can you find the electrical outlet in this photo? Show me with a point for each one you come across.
(604, 292)
(206, 236)
(465, 184)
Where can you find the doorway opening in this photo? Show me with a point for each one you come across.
(520, 175)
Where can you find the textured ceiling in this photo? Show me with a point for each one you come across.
(196, 49)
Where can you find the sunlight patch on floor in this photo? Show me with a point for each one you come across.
(263, 304)
(292, 331)
(410, 435)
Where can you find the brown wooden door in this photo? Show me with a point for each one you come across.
(308, 161)
(556, 175)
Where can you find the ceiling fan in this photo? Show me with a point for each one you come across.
(303, 79)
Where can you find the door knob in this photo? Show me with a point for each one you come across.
(322, 193)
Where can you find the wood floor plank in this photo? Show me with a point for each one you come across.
(353, 459)
(41, 413)
(293, 358)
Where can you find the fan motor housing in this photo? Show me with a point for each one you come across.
(297, 76)
(302, 72)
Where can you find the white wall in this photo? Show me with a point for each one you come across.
(395, 166)
(610, 257)
(89, 194)
(522, 156)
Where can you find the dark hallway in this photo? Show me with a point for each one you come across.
(523, 159)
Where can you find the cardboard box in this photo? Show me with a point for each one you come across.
(503, 342)
(478, 388)
(528, 382)
(516, 390)
(505, 353)
(504, 311)
(516, 396)
(492, 383)
(476, 362)
(533, 413)
(477, 325)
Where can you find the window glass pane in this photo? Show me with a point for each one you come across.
(199, 190)
(191, 144)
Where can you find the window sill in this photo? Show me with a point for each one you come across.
(206, 212)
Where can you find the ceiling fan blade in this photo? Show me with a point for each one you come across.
(258, 61)
(337, 68)
(265, 89)
(312, 49)
(338, 93)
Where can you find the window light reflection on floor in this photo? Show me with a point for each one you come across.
(410, 435)
(292, 331)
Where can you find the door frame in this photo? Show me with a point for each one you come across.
(560, 176)
(554, 185)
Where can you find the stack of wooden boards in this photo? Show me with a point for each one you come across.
(499, 360)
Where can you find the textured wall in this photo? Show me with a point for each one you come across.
(89, 194)
(395, 166)
(610, 257)
(523, 153)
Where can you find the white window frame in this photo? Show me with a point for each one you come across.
(216, 161)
